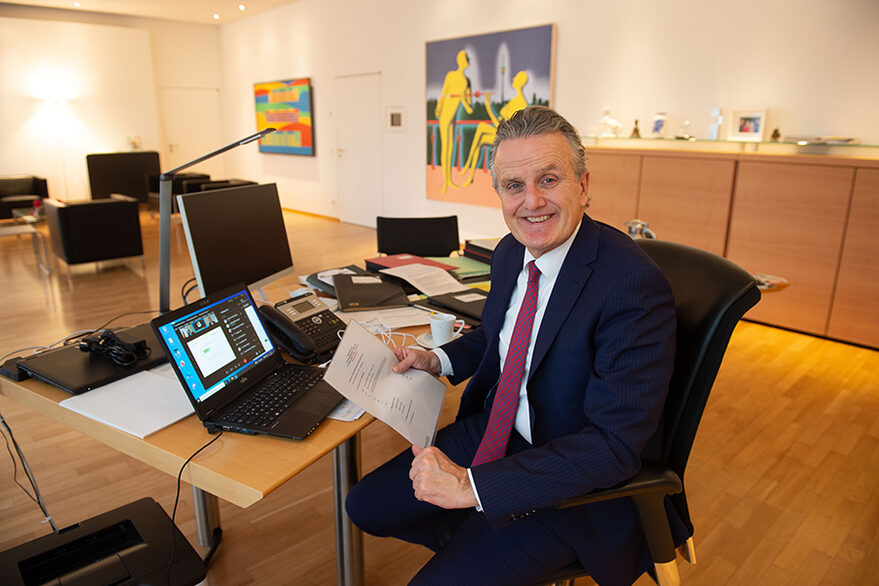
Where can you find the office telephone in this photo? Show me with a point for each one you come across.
(303, 326)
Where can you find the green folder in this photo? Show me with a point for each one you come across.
(466, 268)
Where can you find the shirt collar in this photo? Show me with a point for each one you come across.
(550, 263)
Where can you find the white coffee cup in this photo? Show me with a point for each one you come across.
(442, 327)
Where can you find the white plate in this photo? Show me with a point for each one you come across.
(425, 340)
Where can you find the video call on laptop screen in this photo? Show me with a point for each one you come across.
(216, 344)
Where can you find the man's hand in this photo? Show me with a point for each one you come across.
(420, 359)
(439, 481)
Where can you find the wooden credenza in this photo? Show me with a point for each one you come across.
(812, 219)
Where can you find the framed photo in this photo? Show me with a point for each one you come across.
(747, 125)
(285, 105)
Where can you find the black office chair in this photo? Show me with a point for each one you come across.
(419, 236)
(711, 295)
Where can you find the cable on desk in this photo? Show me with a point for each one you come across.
(39, 349)
(185, 294)
(184, 291)
(73, 337)
(36, 497)
(217, 533)
(386, 333)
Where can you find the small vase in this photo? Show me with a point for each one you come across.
(658, 128)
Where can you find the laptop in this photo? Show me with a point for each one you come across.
(76, 371)
(235, 378)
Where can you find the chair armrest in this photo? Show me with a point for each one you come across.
(650, 479)
(648, 489)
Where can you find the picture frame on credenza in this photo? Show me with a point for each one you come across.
(747, 125)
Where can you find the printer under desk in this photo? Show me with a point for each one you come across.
(128, 545)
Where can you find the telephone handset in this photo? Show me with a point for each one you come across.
(307, 315)
(286, 334)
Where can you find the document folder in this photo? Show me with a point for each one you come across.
(360, 292)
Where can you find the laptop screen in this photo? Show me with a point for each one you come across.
(216, 344)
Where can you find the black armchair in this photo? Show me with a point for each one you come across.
(711, 295)
(20, 192)
(419, 236)
(94, 230)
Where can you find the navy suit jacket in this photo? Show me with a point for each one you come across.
(599, 375)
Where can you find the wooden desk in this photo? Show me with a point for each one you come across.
(237, 468)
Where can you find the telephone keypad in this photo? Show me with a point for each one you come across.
(322, 329)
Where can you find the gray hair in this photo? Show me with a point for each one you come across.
(534, 121)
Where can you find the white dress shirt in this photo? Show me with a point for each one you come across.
(550, 264)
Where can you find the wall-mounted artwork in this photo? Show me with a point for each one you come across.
(285, 105)
(472, 84)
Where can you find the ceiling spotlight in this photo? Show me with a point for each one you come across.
(242, 7)
(216, 16)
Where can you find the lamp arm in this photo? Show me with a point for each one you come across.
(165, 186)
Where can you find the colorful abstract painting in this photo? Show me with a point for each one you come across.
(286, 106)
(472, 84)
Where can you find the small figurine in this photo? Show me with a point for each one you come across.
(684, 132)
(608, 126)
(776, 135)
(714, 128)
(636, 132)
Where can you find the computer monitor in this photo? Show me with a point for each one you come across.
(235, 235)
(124, 173)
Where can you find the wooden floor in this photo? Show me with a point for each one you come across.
(783, 481)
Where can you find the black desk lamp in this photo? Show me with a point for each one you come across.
(165, 181)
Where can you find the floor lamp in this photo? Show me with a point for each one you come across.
(165, 183)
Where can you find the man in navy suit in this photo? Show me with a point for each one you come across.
(586, 410)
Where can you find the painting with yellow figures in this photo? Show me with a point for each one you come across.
(472, 84)
(286, 106)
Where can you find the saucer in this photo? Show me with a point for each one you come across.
(425, 340)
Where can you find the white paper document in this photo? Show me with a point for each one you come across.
(427, 279)
(361, 371)
(391, 318)
(346, 411)
(327, 276)
(140, 404)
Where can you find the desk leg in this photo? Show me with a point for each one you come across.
(207, 515)
(349, 540)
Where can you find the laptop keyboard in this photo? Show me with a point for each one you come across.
(278, 392)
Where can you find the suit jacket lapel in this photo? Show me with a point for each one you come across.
(568, 287)
(503, 281)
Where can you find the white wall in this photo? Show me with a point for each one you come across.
(808, 62)
(110, 68)
(79, 89)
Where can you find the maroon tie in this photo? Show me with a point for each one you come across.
(506, 399)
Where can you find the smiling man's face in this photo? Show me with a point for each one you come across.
(542, 198)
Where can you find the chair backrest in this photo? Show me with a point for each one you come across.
(93, 230)
(24, 185)
(420, 236)
(711, 295)
(224, 183)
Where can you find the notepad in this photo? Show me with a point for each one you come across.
(140, 404)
